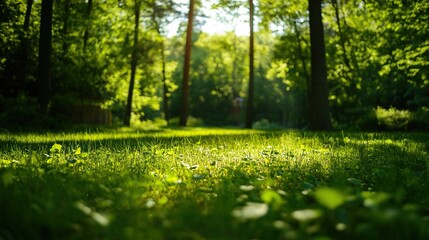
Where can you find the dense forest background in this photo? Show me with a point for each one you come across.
(93, 61)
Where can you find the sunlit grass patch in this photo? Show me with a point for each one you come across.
(214, 184)
(123, 134)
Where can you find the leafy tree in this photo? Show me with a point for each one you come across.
(218, 80)
(372, 36)
(376, 59)
(292, 57)
(159, 12)
(17, 61)
(127, 118)
(249, 109)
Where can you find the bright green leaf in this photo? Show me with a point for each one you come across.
(172, 179)
(56, 148)
(329, 198)
(271, 197)
(78, 151)
(163, 200)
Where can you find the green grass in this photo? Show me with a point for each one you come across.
(214, 184)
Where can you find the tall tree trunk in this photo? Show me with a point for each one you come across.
(249, 107)
(45, 49)
(87, 24)
(186, 66)
(340, 33)
(319, 103)
(127, 117)
(27, 16)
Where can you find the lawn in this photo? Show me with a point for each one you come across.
(214, 184)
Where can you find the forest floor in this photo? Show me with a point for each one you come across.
(202, 183)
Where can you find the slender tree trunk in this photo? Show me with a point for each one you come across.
(87, 24)
(186, 66)
(354, 62)
(45, 49)
(340, 33)
(319, 103)
(164, 85)
(28, 15)
(24, 47)
(127, 117)
(303, 61)
(249, 109)
(65, 27)
(349, 58)
(235, 82)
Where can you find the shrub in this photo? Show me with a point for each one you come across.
(392, 118)
(265, 124)
(192, 122)
(23, 113)
(153, 124)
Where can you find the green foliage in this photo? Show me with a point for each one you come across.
(90, 52)
(377, 56)
(213, 184)
(217, 76)
(265, 125)
(192, 122)
(393, 118)
(25, 115)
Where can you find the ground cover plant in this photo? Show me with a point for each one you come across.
(214, 184)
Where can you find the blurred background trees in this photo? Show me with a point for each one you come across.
(377, 63)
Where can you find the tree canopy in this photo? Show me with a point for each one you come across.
(83, 54)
